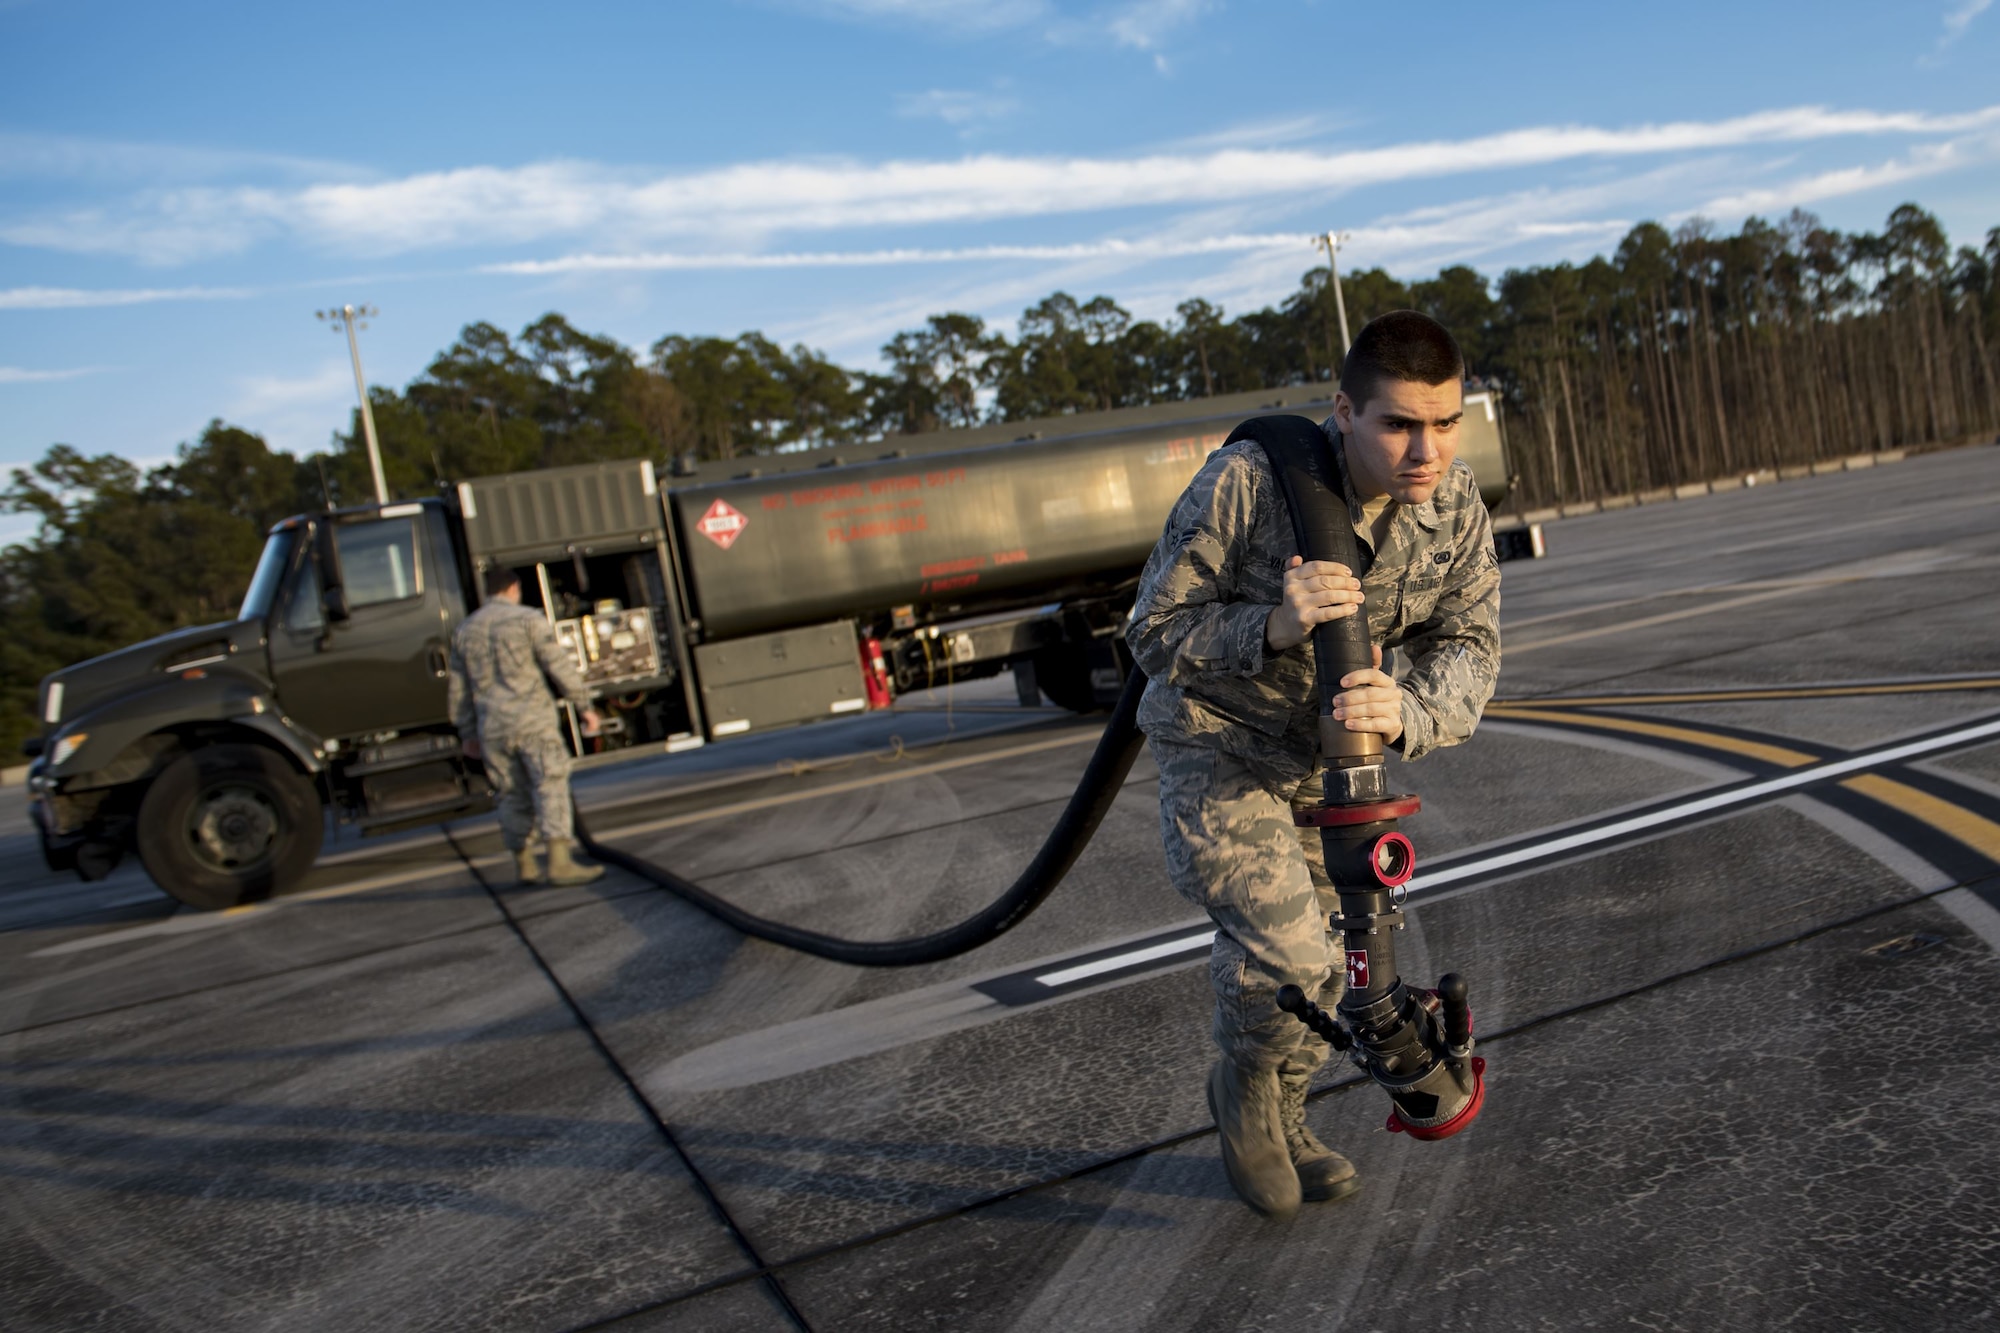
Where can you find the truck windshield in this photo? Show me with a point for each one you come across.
(270, 573)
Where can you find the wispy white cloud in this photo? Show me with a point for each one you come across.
(1262, 133)
(1538, 225)
(73, 157)
(1146, 24)
(79, 298)
(21, 375)
(295, 413)
(1139, 249)
(267, 393)
(1920, 162)
(726, 206)
(1958, 18)
(960, 108)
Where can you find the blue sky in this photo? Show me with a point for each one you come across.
(182, 186)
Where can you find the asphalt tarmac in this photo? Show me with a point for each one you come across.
(1722, 866)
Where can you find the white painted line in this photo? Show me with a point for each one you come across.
(185, 920)
(1665, 617)
(1555, 846)
(1970, 908)
(1700, 805)
(1132, 959)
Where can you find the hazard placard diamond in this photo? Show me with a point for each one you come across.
(722, 524)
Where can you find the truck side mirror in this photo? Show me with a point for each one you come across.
(333, 601)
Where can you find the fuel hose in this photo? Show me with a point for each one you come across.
(1116, 751)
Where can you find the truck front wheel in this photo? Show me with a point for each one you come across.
(228, 823)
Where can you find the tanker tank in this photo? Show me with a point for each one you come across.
(989, 517)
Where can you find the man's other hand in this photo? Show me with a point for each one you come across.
(1314, 594)
(592, 723)
(469, 747)
(1371, 701)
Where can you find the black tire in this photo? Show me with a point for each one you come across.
(1063, 674)
(229, 824)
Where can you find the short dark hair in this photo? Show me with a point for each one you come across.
(499, 579)
(1405, 345)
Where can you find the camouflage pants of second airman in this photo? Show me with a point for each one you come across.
(1233, 850)
(530, 777)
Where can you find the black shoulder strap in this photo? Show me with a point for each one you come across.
(1302, 461)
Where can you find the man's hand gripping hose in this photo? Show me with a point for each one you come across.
(1109, 763)
(1416, 1044)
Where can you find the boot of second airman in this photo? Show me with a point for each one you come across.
(564, 868)
(528, 865)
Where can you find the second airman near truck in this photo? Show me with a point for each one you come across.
(503, 660)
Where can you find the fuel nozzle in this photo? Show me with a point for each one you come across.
(1415, 1044)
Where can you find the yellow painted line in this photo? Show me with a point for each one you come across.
(1749, 695)
(1975, 831)
(1770, 754)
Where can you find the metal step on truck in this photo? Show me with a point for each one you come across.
(721, 600)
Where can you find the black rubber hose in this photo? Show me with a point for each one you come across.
(1116, 751)
(1302, 463)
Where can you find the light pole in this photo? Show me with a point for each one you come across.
(1332, 241)
(350, 317)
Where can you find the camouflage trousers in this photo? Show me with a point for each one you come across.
(1232, 849)
(530, 777)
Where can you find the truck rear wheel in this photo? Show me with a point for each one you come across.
(227, 824)
(1063, 673)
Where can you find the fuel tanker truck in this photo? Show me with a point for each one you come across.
(721, 599)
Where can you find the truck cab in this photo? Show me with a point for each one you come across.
(214, 751)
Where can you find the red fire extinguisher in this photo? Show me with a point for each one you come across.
(875, 674)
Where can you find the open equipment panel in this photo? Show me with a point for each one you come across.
(597, 556)
(591, 548)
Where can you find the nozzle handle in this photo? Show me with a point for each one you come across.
(1457, 1012)
(1293, 1001)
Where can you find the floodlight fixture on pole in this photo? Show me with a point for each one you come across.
(1332, 241)
(351, 317)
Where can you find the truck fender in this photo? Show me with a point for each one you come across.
(120, 747)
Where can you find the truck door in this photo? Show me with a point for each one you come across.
(384, 668)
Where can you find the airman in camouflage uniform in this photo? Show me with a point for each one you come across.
(1233, 725)
(503, 659)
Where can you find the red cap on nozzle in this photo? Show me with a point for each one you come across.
(1432, 1133)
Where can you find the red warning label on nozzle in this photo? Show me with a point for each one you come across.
(1357, 969)
(722, 524)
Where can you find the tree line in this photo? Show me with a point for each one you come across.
(1680, 356)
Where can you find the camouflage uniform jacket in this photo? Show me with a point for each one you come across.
(1198, 625)
(503, 659)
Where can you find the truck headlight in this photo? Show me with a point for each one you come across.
(67, 746)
